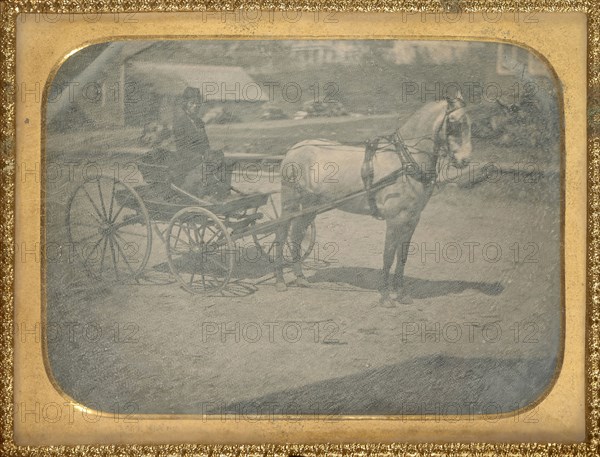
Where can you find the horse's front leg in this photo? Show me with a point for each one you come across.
(389, 253)
(402, 252)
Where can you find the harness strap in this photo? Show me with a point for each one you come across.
(367, 174)
(409, 167)
(409, 164)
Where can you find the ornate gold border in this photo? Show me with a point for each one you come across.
(9, 12)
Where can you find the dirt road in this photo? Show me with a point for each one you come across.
(482, 336)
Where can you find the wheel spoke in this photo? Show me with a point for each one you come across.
(92, 202)
(177, 237)
(185, 249)
(218, 263)
(94, 235)
(161, 233)
(87, 212)
(114, 259)
(199, 269)
(117, 213)
(112, 199)
(215, 234)
(120, 251)
(210, 228)
(117, 230)
(139, 235)
(83, 224)
(123, 205)
(93, 249)
(187, 232)
(275, 212)
(195, 232)
(202, 233)
(125, 242)
(129, 221)
(270, 249)
(102, 200)
(103, 254)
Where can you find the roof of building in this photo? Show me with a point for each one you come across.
(107, 62)
(217, 83)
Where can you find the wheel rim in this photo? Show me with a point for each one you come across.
(265, 243)
(200, 252)
(109, 228)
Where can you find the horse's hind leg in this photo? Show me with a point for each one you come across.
(290, 203)
(297, 233)
(281, 235)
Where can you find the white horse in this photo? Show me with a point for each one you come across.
(411, 156)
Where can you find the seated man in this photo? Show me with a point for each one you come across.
(196, 168)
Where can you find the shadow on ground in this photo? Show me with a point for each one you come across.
(436, 385)
(360, 277)
(370, 279)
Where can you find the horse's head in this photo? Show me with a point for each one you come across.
(454, 133)
(447, 125)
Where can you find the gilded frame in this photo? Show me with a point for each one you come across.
(591, 446)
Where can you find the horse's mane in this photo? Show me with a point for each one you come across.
(421, 123)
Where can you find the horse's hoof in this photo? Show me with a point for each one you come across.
(301, 281)
(404, 299)
(385, 302)
(280, 287)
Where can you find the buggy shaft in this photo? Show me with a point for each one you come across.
(271, 226)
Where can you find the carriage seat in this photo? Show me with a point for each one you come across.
(154, 167)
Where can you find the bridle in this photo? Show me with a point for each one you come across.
(441, 142)
(410, 166)
(447, 127)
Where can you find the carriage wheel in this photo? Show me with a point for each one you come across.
(199, 251)
(109, 228)
(265, 242)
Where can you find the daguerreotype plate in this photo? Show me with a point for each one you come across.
(299, 228)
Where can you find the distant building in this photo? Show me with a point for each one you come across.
(504, 59)
(517, 61)
(158, 87)
(305, 54)
(428, 52)
(129, 84)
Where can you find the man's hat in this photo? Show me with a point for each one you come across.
(192, 93)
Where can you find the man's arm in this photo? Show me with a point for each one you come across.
(190, 142)
(202, 138)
